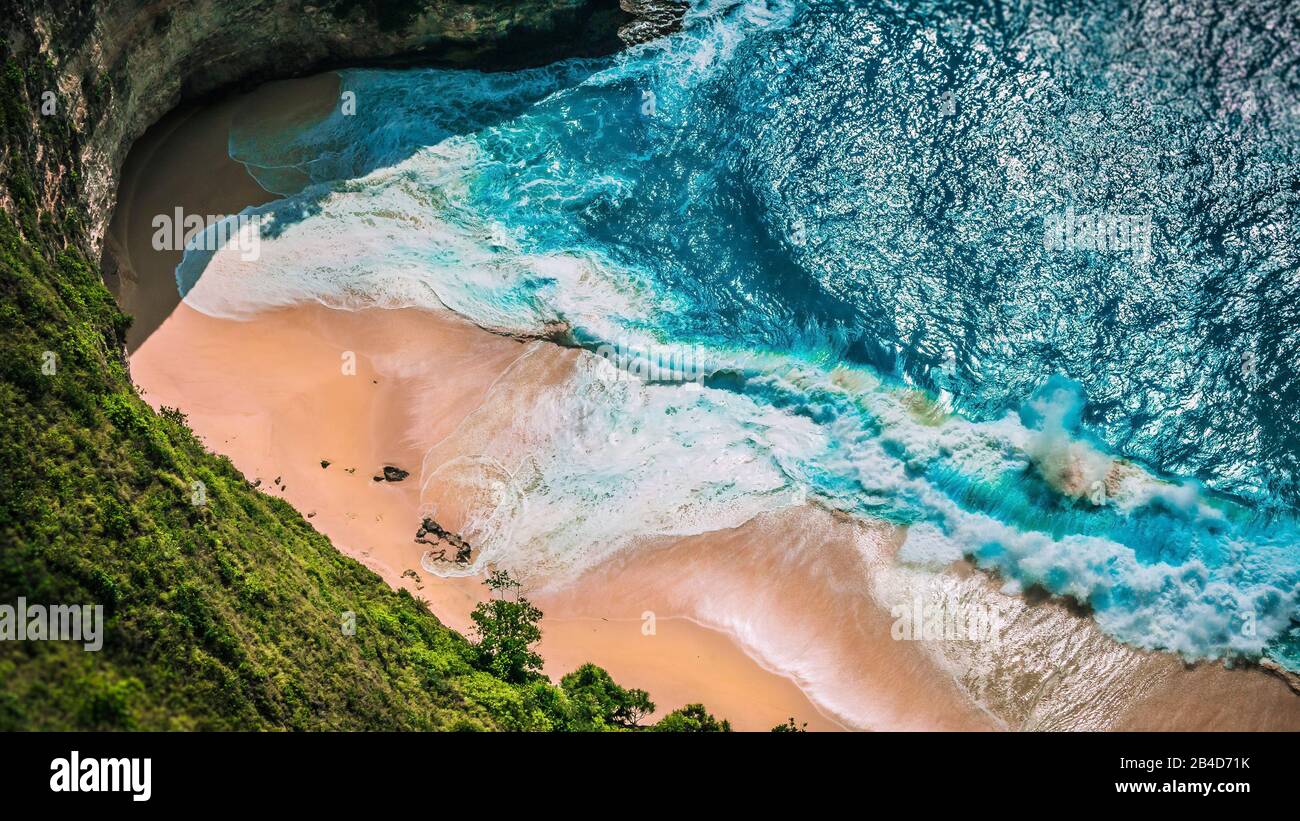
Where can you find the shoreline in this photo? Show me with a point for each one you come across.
(381, 536)
(279, 421)
(785, 616)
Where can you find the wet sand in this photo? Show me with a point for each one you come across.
(182, 161)
(786, 616)
(794, 587)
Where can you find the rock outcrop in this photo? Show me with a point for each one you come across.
(433, 534)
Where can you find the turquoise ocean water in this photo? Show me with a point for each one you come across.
(829, 218)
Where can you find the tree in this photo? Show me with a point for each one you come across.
(507, 630)
(599, 702)
(790, 727)
(693, 718)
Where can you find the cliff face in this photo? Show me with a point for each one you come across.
(221, 610)
(116, 66)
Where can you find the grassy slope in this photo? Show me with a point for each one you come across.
(221, 616)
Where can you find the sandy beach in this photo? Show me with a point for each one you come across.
(271, 395)
(788, 615)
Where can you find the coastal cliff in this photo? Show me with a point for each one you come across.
(115, 67)
(224, 608)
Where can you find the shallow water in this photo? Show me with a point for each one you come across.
(810, 247)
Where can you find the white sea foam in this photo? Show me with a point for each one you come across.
(406, 237)
(598, 464)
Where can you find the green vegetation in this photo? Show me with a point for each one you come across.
(591, 700)
(600, 704)
(507, 631)
(693, 718)
(224, 608)
(790, 727)
(221, 615)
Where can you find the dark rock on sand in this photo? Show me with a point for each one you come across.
(433, 534)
